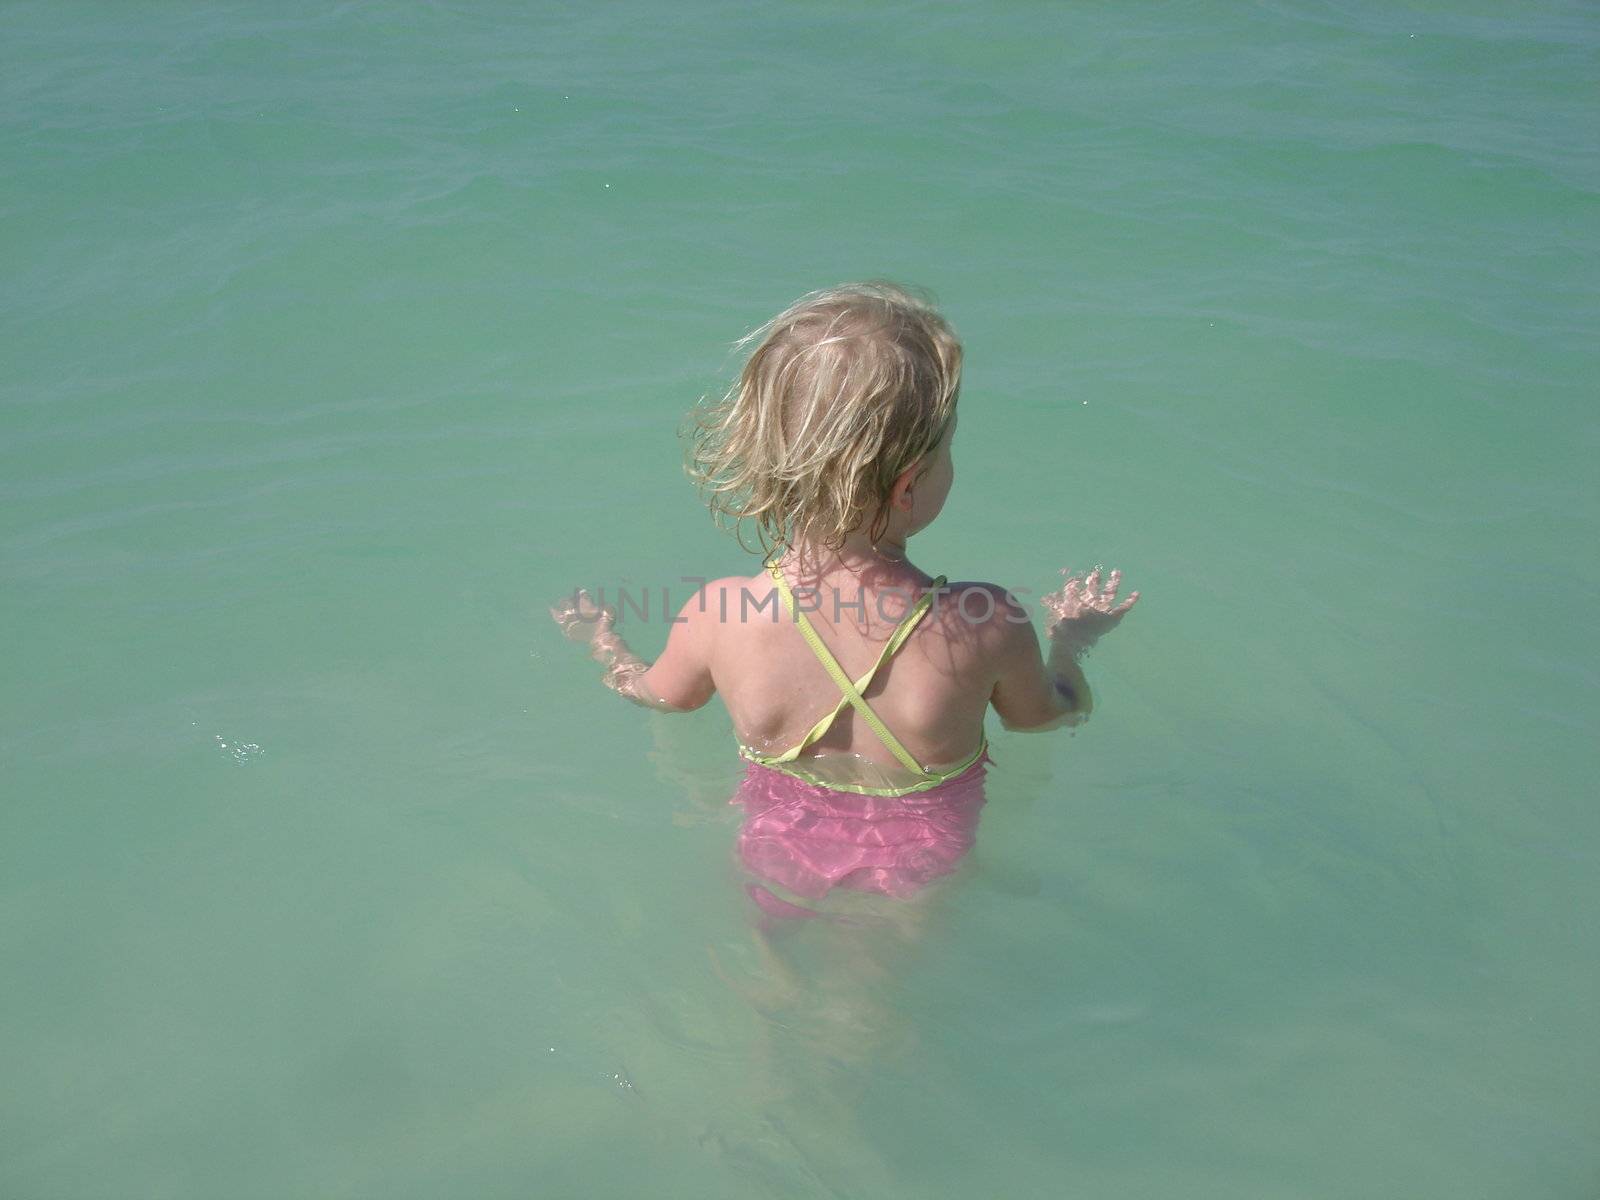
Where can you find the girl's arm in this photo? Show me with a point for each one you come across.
(1036, 692)
(1033, 694)
(679, 681)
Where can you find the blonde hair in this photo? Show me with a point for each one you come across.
(845, 389)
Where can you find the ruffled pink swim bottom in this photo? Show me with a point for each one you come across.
(810, 839)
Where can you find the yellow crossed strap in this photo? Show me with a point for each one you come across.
(852, 691)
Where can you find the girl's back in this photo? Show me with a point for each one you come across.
(931, 692)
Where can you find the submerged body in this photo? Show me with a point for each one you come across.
(809, 839)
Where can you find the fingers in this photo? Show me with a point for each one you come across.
(1096, 592)
(1071, 600)
(1106, 599)
(592, 611)
(580, 617)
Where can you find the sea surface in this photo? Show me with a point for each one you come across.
(339, 341)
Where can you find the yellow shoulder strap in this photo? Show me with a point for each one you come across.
(852, 690)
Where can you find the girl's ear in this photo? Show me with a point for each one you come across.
(904, 484)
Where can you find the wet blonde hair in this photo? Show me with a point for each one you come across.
(845, 389)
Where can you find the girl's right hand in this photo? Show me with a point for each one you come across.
(1082, 611)
(580, 618)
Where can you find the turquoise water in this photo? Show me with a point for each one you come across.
(342, 340)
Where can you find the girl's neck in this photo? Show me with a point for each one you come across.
(859, 556)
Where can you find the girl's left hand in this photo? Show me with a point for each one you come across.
(1083, 611)
(581, 619)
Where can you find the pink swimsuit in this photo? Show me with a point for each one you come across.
(809, 838)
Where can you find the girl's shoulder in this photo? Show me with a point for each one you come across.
(988, 617)
(983, 601)
(728, 599)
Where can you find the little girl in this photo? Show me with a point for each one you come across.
(857, 683)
